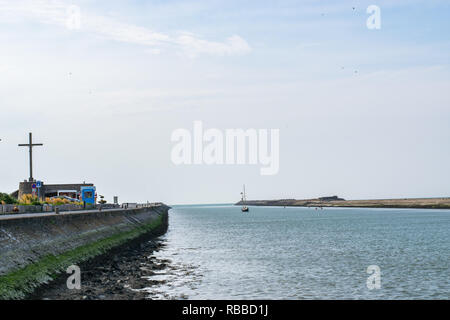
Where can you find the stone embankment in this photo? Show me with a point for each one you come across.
(35, 248)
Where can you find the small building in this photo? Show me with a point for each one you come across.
(72, 190)
(88, 194)
(332, 198)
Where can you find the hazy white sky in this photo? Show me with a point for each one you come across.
(362, 113)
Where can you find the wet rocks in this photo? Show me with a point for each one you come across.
(122, 277)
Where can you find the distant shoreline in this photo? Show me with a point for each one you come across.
(413, 203)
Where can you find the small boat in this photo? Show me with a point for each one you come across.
(244, 207)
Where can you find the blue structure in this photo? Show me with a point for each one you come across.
(88, 195)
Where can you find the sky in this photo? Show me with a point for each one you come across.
(362, 113)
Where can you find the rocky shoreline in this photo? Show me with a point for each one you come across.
(118, 276)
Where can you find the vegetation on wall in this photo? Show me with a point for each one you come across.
(7, 199)
(60, 201)
(28, 199)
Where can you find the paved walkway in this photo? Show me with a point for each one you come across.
(47, 214)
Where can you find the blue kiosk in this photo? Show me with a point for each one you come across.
(88, 195)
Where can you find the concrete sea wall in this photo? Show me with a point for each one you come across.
(35, 248)
(9, 208)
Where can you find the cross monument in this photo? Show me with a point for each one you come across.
(30, 145)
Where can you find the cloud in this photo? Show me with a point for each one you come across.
(56, 12)
(193, 45)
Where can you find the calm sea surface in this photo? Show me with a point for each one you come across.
(218, 252)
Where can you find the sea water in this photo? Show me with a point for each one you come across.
(218, 252)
